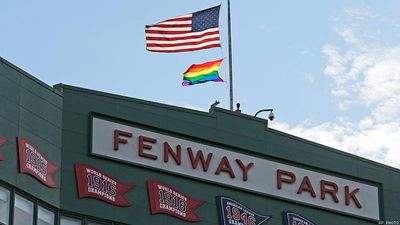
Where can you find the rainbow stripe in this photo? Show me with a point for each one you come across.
(200, 73)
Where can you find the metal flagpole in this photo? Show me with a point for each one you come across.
(230, 58)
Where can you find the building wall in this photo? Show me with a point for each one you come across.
(219, 128)
(58, 122)
(31, 109)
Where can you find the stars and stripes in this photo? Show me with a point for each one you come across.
(191, 32)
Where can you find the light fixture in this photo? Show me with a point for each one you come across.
(271, 115)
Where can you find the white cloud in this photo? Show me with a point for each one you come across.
(360, 14)
(344, 105)
(376, 141)
(348, 35)
(308, 77)
(188, 106)
(366, 72)
(306, 52)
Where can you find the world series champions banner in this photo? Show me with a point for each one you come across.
(166, 199)
(3, 140)
(291, 218)
(33, 162)
(232, 212)
(94, 183)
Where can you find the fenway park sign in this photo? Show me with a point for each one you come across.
(142, 147)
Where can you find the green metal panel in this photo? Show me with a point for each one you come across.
(31, 109)
(219, 128)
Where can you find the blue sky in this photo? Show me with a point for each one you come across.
(329, 69)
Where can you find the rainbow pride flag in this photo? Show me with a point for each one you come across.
(200, 73)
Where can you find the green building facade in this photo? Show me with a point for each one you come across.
(199, 155)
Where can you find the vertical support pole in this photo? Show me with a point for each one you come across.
(230, 58)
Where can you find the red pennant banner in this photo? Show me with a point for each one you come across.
(166, 199)
(291, 218)
(3, 140)
(33, 162)
(94, 183)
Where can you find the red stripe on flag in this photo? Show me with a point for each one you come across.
(184, 43)
(166, 32)
(182, 38)
(171, 25)
(186, 18)
(196, 67)
(187, 49)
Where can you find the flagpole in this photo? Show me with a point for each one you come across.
(230, 58)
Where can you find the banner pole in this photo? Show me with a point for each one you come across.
(230, 58)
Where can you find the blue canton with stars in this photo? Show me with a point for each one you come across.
(205, 19)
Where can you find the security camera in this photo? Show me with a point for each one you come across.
(271, 116)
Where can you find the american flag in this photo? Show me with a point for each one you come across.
(195, 31)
